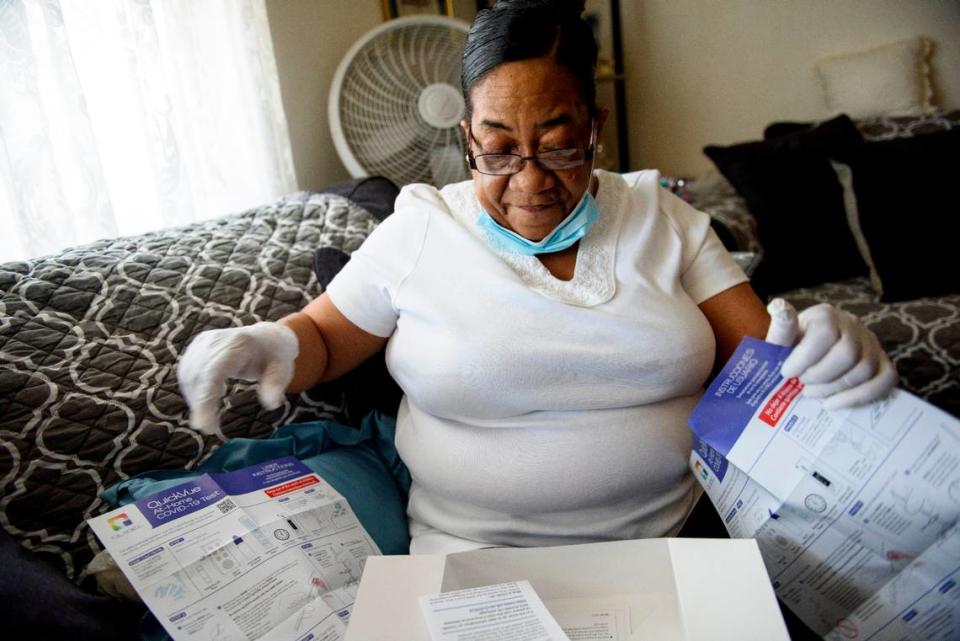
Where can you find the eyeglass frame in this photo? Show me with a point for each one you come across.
(588, 153)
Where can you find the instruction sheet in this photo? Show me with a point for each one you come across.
(855, 511)
(268, 552)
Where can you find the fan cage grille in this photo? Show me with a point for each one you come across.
(378, 110)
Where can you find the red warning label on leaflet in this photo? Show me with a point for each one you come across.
(292, 486)
(780, 401)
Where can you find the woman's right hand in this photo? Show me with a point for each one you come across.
(264, 352)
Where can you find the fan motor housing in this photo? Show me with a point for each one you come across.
(441, 105)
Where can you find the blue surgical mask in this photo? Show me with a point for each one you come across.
(570, 230)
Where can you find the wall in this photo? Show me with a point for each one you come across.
(310, 37)
(698, 71)
(706, 71)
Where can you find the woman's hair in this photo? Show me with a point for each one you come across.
(515, 30)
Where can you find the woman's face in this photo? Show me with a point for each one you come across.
(529, 107)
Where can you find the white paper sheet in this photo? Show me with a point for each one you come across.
(852, 509)
(267, 552)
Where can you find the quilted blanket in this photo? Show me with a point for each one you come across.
(89, 341)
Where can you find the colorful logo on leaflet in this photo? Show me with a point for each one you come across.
(702, 470)
(119, 521)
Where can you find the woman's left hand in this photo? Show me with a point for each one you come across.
(835, 356)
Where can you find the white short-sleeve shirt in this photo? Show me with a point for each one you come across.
(538, 411)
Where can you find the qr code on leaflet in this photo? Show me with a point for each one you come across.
(226, 505)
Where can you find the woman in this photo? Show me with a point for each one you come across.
(551, 326)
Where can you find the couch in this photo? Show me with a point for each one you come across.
(89, 341)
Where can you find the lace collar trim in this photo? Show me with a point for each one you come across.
(593, 279)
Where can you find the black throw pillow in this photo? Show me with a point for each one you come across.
(369, 386)
(908, 212)
(792, 190)
(785, 128)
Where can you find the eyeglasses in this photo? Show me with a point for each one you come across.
(553, 160)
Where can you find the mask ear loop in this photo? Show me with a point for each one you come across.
(471, 162)
(593, 141)
(593, 156)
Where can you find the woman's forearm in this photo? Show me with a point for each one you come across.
(311, 362)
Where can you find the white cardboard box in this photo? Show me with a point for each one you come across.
(679, 589)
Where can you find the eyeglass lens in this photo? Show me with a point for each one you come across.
(554, 160)
(559, 159)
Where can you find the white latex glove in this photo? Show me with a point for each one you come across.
(263, 352)
(835, 356)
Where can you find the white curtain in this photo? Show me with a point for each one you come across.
(124, 116)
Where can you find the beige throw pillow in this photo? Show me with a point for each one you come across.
(892, 80)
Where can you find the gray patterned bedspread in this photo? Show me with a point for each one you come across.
(89, 341)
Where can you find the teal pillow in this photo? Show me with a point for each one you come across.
(362, 464)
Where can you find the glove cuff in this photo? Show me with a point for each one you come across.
(281, 338)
